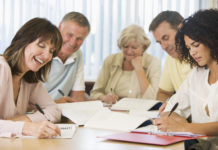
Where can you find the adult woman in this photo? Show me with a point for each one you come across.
(197, 42)
(23, 65)
(132, 73)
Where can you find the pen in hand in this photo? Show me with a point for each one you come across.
(41, 111)
(173, 109)
(61, 92)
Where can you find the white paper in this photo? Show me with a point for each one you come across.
(81, 112)
(115, 121)
(134, 103)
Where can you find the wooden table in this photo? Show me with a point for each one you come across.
(84, 139)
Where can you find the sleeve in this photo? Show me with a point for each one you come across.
(40, 96)
(165, 81)
(79, 84)
(103, 78)
(11, 128)
(7, 128)
(182, 96)
(154, 78)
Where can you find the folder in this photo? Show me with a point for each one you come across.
(147, 138)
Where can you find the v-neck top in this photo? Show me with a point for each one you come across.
(29, 93)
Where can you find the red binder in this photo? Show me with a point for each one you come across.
(147, 138)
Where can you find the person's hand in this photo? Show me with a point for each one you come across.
(172, 123)
(43, 129)
(137, 62)
(65, 99)
(110, 98)
(162, 107)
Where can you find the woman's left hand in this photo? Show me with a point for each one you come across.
(137, 62)
(172, 123)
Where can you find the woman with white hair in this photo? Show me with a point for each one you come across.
(130, 73)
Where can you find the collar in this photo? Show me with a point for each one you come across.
(69, 60)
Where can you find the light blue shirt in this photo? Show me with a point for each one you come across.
(63, 76)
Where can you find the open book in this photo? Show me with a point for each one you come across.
(111, 120)
(127, 104)
(81, 112)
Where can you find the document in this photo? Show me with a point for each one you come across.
(81, 112)
(67, 131)
(118, 121)
(134, 103)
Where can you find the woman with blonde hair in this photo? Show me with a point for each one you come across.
(130, 73)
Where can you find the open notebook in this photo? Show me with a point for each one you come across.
(127, 104)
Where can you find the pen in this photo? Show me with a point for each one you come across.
(173, 109)
(61, 92)
(41, 111)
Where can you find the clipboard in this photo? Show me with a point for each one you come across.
(146, 138)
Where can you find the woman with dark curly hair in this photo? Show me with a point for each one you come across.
(197, 43)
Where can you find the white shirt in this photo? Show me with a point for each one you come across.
(194, 95)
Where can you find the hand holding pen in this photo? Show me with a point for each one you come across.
(110, 98)
(64, 99)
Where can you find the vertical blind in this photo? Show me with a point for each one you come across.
(107, 19)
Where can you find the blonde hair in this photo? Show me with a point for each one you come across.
(133, 32)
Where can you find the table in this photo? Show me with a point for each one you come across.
(83, 139)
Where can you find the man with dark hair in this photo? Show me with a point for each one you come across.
(164, 28)
(66, 78)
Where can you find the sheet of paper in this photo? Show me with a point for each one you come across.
(134, 103)
(81, 112)
(67, 131)
(115, 121)
(145, 113)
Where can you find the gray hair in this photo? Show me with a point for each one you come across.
(133, 32)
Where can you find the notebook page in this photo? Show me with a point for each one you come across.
(134, 103)
(67, 130)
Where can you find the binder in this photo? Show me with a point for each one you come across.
(146, 138)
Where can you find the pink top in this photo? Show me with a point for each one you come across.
(34, 93)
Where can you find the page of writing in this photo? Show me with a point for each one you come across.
(115, 121)
(67, 131)
(133, 103)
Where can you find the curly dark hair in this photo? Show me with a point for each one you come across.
(201, 27)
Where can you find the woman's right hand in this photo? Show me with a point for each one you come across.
(110, 98)
(43, 129)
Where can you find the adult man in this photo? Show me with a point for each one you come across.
(164, 27)
(66, 78)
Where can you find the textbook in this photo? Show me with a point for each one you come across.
(81, 112)
(127, 104)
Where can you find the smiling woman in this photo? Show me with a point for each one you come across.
(131, 73)
(23, 65)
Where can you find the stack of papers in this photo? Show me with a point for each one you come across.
(151, 129)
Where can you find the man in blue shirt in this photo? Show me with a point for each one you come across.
(66, 78)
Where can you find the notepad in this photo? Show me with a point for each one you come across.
(67, 130)
(134, 103)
